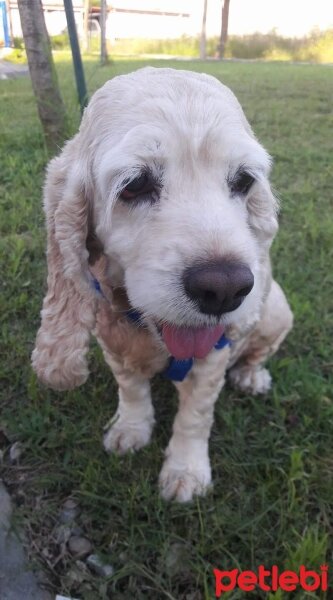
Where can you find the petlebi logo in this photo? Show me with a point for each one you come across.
(271, 580)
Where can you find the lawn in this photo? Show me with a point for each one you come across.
(272, 457)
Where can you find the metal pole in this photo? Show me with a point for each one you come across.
(9, 15)
(104, 54)
(3, 8)
(77, 61)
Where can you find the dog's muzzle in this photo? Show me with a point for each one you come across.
(218, 287)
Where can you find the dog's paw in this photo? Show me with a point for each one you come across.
(123, 436)
(182, 483)
(247, 378)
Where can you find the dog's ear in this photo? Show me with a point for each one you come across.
(69, 308)
(263, 210)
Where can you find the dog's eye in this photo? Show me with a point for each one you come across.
(242, 183)
(137, 187)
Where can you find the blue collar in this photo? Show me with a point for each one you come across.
(176, 369)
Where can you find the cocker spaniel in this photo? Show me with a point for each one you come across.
(160, 219)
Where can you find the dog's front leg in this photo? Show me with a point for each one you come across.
(186, 471)
(131, 426)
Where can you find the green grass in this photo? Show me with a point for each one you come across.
(272, 457)
(315, 47)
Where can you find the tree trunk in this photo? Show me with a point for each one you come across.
(43, 75)
(104, 54)
(224, 29)
(203, 32)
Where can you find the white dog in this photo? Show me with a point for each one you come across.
(160, 218)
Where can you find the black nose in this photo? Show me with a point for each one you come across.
(218, 287)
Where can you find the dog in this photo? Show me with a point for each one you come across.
(160, 218)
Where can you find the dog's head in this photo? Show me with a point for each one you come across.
(167, 174)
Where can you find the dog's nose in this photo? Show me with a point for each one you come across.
(218, 287)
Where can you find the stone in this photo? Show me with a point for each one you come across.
(69, 511)
(98, 566)
(15, 452)
(70, 504)
(79, 546)
(62, 534)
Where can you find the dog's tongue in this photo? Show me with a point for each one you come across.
(190, 342)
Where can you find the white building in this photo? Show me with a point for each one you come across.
(126, 18)
(173, 18)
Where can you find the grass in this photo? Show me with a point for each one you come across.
(315, 47)
(272, 457)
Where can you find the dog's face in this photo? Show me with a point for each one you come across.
(179, 174)
(167, 172)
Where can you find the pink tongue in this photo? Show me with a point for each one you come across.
(190, 342)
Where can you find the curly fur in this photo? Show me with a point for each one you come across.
(191, 133)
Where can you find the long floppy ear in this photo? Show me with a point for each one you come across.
(69, 308)
(263, 210)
